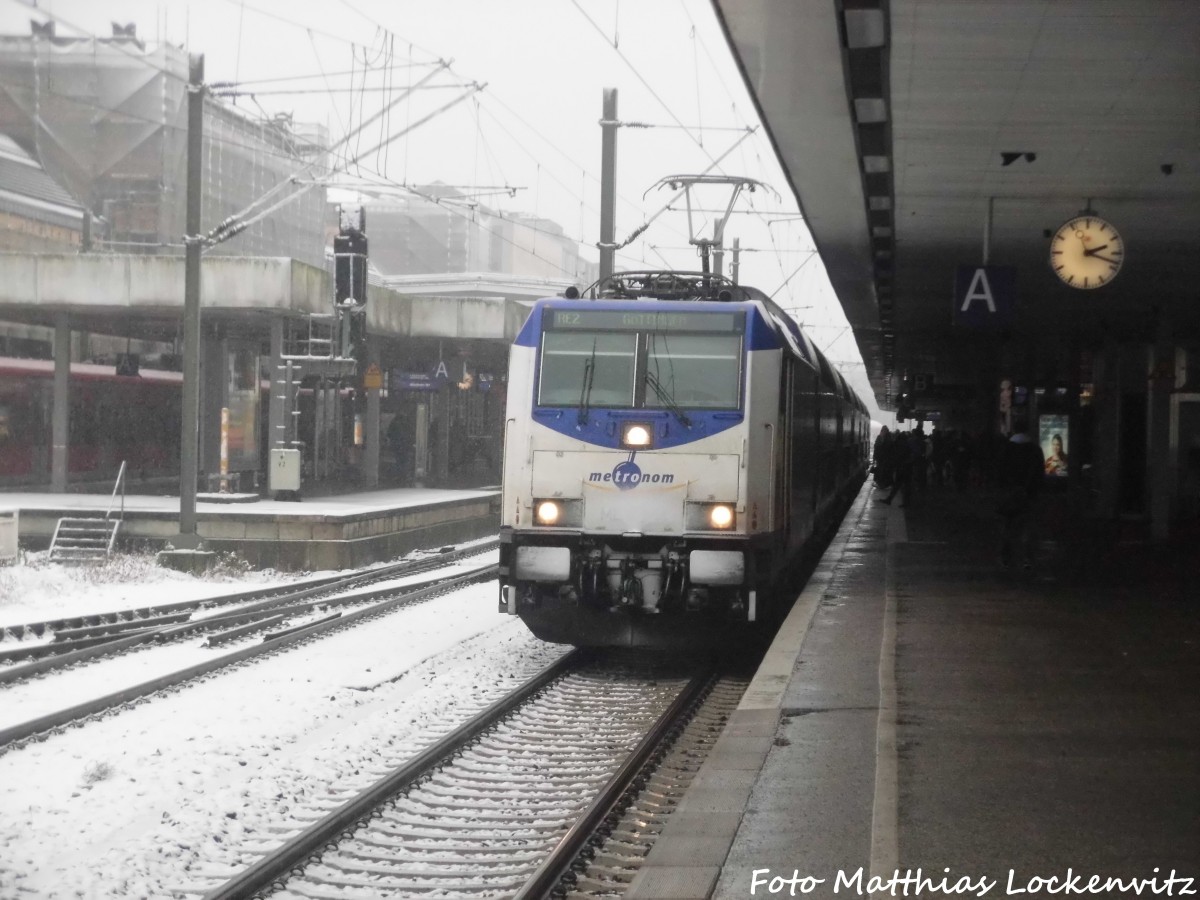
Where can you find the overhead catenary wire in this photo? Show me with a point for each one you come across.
(656, 96)
(236, 224)
(249, 82)
(795, 272)
(389, 76)
(712, 62)
(745, 249)
(670, 112)
(377, 89)
(455, 209)
(336, 111)
(297, 24)
(239, 221)
(481, 141)
(637, 74)
(237, 66)
(567, 188)
(649, 221)
(680, 127)
(403, 185)
(696, 71)
(492, 99)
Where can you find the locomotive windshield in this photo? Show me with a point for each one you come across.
(696, 371)
(600, 365)
(641, 360)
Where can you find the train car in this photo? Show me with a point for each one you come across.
(673, 447)
(112, 418)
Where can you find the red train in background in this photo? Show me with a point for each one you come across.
(113, 418)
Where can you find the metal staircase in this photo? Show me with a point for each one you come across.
(89, 539)
(83, 539)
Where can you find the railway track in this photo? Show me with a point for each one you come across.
(69, 641)
(371, 604)
(615, 852)
(506, 804)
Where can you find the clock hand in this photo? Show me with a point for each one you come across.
(1103, 258)
(1094, 250)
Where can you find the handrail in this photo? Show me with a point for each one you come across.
(120, 483)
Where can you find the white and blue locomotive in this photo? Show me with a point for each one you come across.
(673, 446)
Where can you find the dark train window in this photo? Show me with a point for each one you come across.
(695, 371)
(650, 359)
(578, 363)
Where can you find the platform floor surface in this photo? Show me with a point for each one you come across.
(933, 710)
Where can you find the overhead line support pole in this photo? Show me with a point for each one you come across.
(608, 183)
(189, 439)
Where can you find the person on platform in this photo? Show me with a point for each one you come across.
(881, 456)
(901, 457)
(1021, 469)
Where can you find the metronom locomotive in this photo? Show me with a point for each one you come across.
(674, 445)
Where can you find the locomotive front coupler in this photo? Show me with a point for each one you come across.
(589, 573)
(631, 587)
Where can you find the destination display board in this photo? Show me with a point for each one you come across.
(634, 320)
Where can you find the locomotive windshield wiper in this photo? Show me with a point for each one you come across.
(585, 392)
(666, 399)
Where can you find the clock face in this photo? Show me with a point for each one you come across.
(1086, 252)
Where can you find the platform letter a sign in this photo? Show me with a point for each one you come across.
(979, 289)
(984, 296)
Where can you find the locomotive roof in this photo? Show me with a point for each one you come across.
(658, 284)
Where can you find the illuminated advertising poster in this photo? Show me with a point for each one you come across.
(1054, 434)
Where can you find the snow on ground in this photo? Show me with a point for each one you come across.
(37, 590)
(167, 799)
(80, 684)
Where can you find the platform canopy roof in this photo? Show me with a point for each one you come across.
(141, 297)
(920, 135)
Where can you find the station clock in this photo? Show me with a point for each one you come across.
(1086, 252)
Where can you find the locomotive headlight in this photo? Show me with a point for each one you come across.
(547, 512)
(557, 512)
(720, 516)
(637, 436)
(701, 516)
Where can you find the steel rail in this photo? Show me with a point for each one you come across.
(87, 649)
(143, 612)
(79, 711)
(294, 851)
(295, 591)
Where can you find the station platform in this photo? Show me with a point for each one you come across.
(328, 532)
(927, 713)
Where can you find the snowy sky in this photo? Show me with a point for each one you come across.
(534, 126)
(163, 799)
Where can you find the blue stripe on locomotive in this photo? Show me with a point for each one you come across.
(603, 426)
